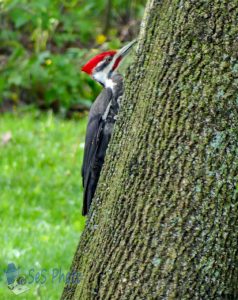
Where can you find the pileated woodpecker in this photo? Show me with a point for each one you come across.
(102, 116)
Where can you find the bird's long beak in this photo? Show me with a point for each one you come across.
(125, 50)
(119, 56)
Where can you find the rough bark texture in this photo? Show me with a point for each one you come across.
(164, 224)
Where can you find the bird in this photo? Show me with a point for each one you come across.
(102, 116)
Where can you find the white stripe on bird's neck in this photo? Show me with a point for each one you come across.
(110, 84)
(102, 78)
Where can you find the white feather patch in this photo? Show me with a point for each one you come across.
(110, 84)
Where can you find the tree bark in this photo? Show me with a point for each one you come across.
(164, 223)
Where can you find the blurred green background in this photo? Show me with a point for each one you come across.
(44, 43)
(40, 205)
(44, 100)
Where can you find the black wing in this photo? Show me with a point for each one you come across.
(95, 147)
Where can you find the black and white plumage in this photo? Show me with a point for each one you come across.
(102, 117)
(101, 121)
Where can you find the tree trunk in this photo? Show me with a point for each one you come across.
(164, 223)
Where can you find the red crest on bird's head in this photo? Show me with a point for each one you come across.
(92, 63)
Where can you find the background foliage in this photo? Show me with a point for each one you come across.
(44, 43)
(40, 205)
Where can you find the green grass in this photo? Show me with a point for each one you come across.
(40, 198)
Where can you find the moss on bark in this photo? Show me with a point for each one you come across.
(164, 223)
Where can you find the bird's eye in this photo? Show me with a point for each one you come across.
(108, 59)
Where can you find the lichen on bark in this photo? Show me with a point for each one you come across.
(164, 223)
